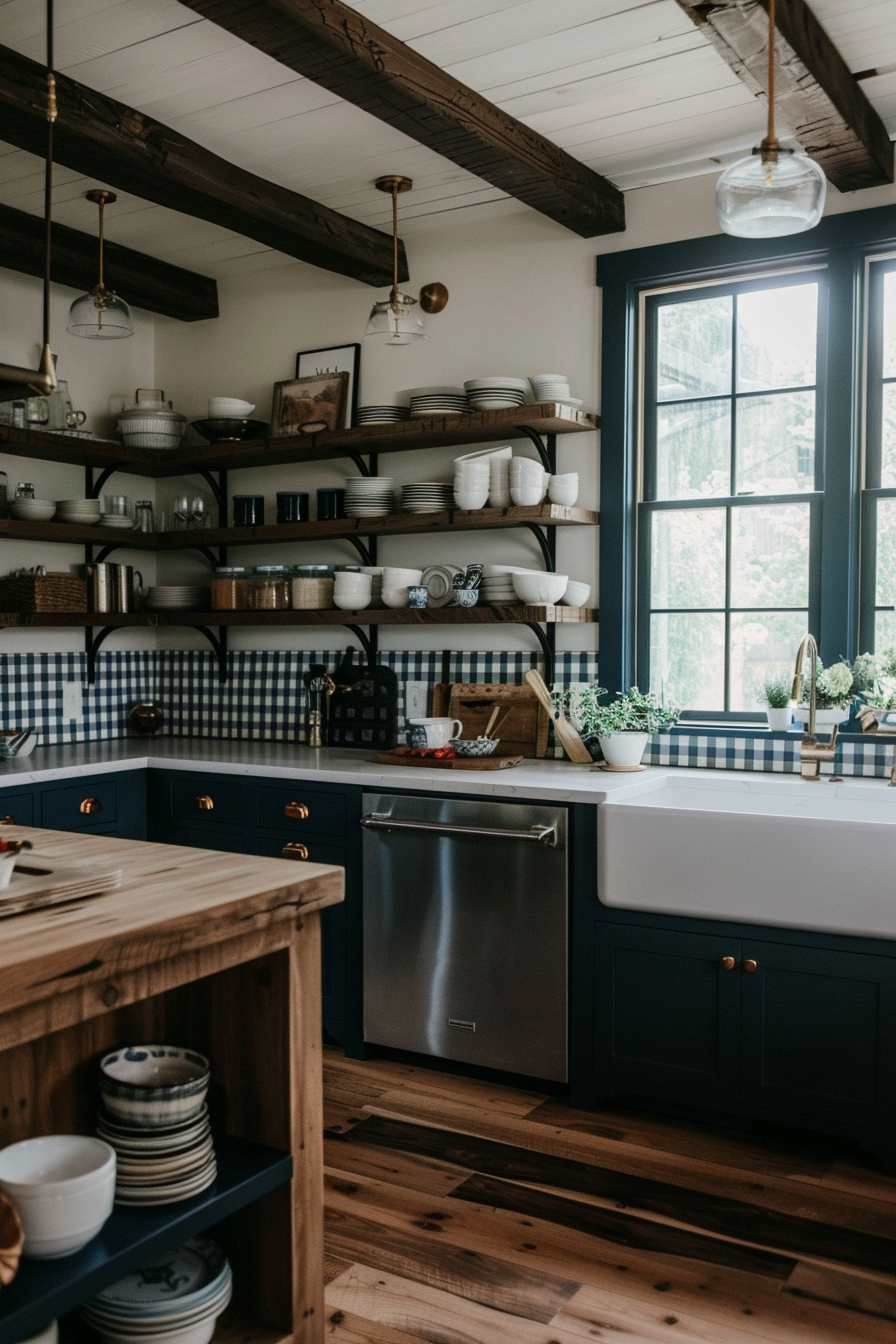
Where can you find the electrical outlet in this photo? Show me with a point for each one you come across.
(416, 694)
(72, 701)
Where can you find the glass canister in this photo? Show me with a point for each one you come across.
(231, 587)
(144, 520)
(269, 589)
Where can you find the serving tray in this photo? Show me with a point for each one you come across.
(38, 882)
(459, 762)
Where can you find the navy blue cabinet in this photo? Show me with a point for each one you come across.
(17, 809)
(113, 803)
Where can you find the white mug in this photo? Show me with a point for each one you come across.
(435, 732)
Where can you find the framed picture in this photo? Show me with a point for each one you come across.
(334, 359)
(310, 405)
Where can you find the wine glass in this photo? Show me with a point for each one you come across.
(198, 511)
(182, 513)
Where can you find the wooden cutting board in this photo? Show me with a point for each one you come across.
(522, 726)
(38, 882)
(493, 762)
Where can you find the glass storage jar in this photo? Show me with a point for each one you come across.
(230, 588)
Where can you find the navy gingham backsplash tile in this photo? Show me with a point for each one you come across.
(31, 693)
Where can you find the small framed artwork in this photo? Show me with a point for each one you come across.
(309, 405)
(334, 359)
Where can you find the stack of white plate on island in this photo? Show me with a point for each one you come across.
(369, 496)
(177, 597)
(427, 497)
(495, 394)
(179, 1296)
(160, 1166)
(82, 511)
(381, 415)
(437, 401)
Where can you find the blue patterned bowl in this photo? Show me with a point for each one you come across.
(151, 1086)
(476, 746)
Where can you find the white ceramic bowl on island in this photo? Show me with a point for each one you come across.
(538, 590)
(63, 1187)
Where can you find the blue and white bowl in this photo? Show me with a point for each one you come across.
(476, 746)
(153, 1086)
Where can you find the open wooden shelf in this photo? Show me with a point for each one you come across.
(43, 1289)
(443, 431)
(394, 524)
(546, 615)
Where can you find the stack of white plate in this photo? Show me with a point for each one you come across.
(437, 401)
(381, 415)
(495, 394)
(426, 497)
(179, 1296)
(117, 520)
(160, 1166)
(177, 597)
(83, 511)
(369, 496)
(553, 387)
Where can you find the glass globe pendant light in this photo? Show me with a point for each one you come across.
(101, 314)
(394, 318)
(774, 192)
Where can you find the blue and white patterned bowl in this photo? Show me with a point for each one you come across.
(476, 746)
(151, 1086)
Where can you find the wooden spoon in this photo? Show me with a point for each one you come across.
(568, 734)
(491, 723)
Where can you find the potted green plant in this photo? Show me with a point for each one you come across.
(833, 695)
(776, 694)
(622, 727)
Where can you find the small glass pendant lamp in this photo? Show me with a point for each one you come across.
(101, 314)
(394, 318)
(774, 192)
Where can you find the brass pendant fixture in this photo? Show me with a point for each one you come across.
(393, 317)
(101, 314)
(18, 383)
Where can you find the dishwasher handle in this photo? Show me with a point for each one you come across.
(537, 835)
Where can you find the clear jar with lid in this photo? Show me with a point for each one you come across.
(231, 588)
(269, 588)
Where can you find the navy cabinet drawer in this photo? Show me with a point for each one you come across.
(295, 809)
(200, 801)
(16, 809)
(90, 803)
(197, 837)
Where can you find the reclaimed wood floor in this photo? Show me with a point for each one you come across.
(462, 1212)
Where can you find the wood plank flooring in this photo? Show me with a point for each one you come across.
(463, 1212)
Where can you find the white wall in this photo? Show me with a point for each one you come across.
(94, 371)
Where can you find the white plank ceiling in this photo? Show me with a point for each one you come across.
(629, 87)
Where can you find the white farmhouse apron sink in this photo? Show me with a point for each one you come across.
(781, 852)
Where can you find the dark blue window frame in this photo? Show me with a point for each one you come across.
(841, 244)
(874, 491)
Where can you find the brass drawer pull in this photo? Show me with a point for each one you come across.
(728, 963)
(750, 966)
(297, 810)
(8, 820)
(90, 805)
(206, 804)
(294, 851)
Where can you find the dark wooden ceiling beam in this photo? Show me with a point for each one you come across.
(817, 94)
(113, 143)
(342, 51)
(142, 281)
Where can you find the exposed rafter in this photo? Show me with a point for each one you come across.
(342, 51)
(817, 94)
(113, 143)
(144, 281)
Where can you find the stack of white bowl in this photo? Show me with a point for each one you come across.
(352, 591)
(376, 583)
(155, 1117)
(63, 1187)
(81, 511)
(495, 394)
(33, 510)
(396, 583)
(381, 415)
(564, 489)
(528, 481)
(553, 387)
(369, 496)
(471, 482)
(427, 401)
(178, 1298)
(539, 590)
(426, 497)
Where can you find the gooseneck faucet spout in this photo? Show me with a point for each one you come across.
(811, 754)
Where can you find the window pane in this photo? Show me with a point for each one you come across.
(776, 338)
(885, 594)
(687, 566)
(763, 644)
(890, 324)
(694, 348)
(884, 631)
(693, 450)
(687, 659)
(770, 556)
(776, 443)
(888, 436)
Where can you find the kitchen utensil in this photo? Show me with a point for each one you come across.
(476, 747)
(363, 711)
(493, 719)
(522, 726)
(433, 731)
(143, 516)
(16, 742)
(567, 733)
(150, 421)
(459, 762)
(102, 586)
(128, 588)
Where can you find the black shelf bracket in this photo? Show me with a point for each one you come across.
(545, 444)
(219, 644)
(367, 638)
(545, 636)
(93, 489)
(362, 550)
(359, 462)
(93, 641)
(547, 541)
(219, 490)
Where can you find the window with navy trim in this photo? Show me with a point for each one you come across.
(879, 520)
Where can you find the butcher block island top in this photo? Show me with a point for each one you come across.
(215, 951)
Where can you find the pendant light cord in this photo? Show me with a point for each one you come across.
(48, 171)
(770, 139)
(394, 243)
(101, 286)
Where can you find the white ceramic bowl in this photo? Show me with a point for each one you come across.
(471, 499)
(524, 469)
(540, 589)
(527, 496)
(229, 408)
(394, 577)
(33, 510)
(576, 595)
(395, 597)
(63, 1186)
(486, 452)
(559, 492)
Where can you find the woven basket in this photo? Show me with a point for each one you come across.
(312, 594)
(46, 592)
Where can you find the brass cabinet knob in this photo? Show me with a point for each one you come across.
(750, 966)
(89, 805)
(297, 810)
(294, 851)
(7, 820)
(206, 804)
(728, 963)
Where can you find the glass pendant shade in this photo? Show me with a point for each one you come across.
(772, 198)
(396, 321)
(100, 317)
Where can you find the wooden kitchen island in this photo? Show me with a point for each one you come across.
(219, 952)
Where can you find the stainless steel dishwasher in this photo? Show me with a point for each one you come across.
(465, 931)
